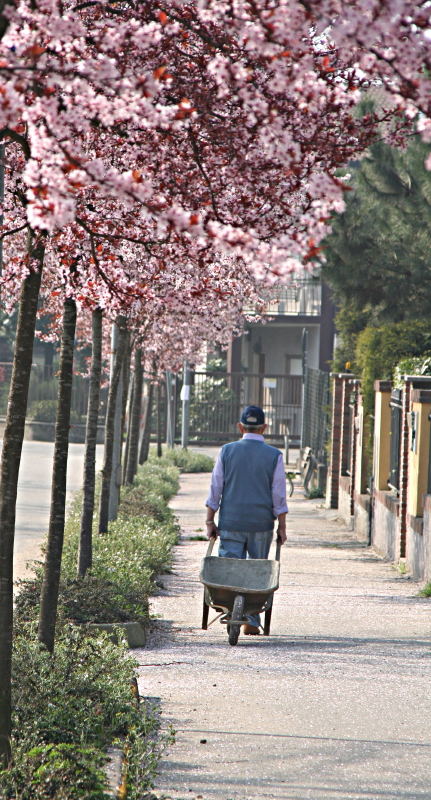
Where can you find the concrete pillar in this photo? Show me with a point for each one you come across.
(361, 466)
(354, 466)
(419, 452)
(382, 434)
(346, 427)
(338, 430)
(404, 468)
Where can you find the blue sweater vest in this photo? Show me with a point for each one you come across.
(246, 503)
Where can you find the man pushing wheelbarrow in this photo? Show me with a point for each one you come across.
(248, 488)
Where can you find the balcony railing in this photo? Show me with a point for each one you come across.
(303, 298)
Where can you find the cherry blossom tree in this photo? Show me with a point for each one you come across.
(171, 149)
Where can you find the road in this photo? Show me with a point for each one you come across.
(334, 705)
(34, 494)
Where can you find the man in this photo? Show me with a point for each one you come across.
(248, 484)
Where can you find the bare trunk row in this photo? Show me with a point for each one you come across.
(12, 447)
(11, 458)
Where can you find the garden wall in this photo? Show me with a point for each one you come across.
(384, 532)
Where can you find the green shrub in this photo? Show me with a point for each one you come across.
(46, 411)
(126, 560)
(43, 411)
(67, 707)
(70, 705)
(415, 365)
(60, 771)
(79, 694)
(379, 350)
(158, 476)
(188, 461)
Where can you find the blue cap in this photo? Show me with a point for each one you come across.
(252, 415)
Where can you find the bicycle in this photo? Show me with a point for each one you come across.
(289, 480)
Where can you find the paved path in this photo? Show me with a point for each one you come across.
(334, 705)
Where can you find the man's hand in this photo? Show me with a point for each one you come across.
(281, 529)
(281, 534)
(212, 530)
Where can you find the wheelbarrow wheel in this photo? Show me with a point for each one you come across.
(237, 613)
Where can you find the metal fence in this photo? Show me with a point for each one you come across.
(217, 399)
(44, 388)
(316, 410)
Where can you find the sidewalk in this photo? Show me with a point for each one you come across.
(334, 705)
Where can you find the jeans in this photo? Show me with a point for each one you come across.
(245, 544)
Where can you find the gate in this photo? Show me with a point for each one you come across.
(316, 410)
(217, 399)
(396, 417)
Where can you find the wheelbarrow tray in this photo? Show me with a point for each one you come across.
(224, 578)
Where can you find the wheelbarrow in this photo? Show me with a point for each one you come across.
(236, 587)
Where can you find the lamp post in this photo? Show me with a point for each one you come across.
(185, 400)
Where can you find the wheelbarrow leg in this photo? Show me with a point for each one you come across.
(267, 624)
(205, 612)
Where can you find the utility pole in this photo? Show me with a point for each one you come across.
(170, 415)
(185, 399)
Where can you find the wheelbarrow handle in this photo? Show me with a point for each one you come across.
(278, 549)
(211, 544)
(213, 539)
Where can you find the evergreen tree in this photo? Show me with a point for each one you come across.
(378, 260)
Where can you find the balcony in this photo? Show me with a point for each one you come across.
(301, 298)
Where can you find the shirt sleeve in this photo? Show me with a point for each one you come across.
(279, 505)
(216, 486)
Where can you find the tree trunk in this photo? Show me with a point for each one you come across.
(126, 382)
(110, 425)
(135, 419)
(52, 568)
(85, 557)
(159, 420)
(127, 400)
(146, 433)
(11, 457)
(129, 424)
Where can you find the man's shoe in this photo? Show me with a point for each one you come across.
(251, 630)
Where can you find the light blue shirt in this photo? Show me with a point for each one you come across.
(278, 489)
